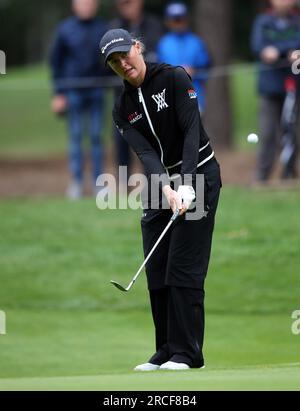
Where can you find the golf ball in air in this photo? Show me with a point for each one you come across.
(252, 138)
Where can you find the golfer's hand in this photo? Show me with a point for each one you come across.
(174, 200)
(187, 194)
(59, 104)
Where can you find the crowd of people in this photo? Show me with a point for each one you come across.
(169, 38)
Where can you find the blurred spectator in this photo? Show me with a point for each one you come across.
(149, 29)
(145, 26)
(75, 59)
(181, 47)
(275, 35)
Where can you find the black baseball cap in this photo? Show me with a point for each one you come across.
(115, 40)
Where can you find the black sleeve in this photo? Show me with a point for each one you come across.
(139, 144)
(189, 120)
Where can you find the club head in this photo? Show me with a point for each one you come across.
(119, 286)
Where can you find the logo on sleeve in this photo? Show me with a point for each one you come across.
(160, 100)
(192, 93)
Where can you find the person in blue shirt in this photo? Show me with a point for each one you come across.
(274, 40)
(180, 47)
(75, 66)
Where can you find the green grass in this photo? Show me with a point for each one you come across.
(282, 378)
(28, 127)
(107, 345)
(68, 328)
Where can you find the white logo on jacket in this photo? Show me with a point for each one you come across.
(160, 100)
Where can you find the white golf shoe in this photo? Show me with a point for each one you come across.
(146, 367)
(174, 366)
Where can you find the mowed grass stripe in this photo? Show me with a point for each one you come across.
(270, 378)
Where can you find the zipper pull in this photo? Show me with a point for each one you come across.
(140, 95)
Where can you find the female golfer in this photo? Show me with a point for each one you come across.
(157, 114)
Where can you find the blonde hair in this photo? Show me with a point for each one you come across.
(136, 40)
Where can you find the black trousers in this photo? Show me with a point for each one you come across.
(176, 274)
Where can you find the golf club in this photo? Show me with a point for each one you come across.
(119, 286)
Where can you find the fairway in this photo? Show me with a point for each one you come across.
(258, 378)
(68, 328)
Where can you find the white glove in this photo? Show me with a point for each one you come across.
(187, 193)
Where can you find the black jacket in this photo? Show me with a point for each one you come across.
(161, 122)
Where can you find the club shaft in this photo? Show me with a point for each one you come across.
(153, 248)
